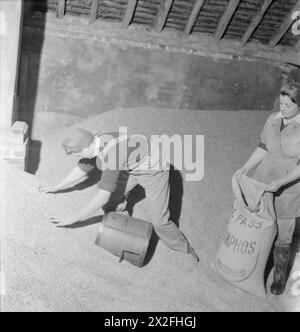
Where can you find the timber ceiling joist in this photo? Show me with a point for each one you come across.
(271, 23)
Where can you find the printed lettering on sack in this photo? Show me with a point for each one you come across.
(240, 244)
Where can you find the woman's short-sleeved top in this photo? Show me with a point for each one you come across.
(288, 135)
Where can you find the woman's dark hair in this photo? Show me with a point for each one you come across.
(283, 93)
(292, 92)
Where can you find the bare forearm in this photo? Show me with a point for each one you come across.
(74, 177)
(256, 157)
(72, 184)
(94, 204)
(291, 177)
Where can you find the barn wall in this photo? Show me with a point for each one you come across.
(82, 77)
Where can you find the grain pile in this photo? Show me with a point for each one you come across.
(54, 269)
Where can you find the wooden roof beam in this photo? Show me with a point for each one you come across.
(93, 12)
(193, 17)
(129, 14)
(227, 16)
(284, 26)
(163, 13)
(256, 21)
(61, 8)
(198, 44)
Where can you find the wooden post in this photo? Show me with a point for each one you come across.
(231, 8)
(256, 21)
(129, 13)
(193, 17)
(284, 26)
(94, 9)
(163, 13)
(61, 8)
(28, 7)
(23, 80)
(11, 18)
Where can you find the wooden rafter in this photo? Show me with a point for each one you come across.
(93, 13)
(129, 13)
(284, 26)
(193, 17)
(61, 8)
(227, 16)
(256, 21)
(163, 13)
(198, 44)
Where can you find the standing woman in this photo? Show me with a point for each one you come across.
(278, 160)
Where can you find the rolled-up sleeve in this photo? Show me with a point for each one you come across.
(263, 137)
(263, 143)
(109, 180)
(262, 146)
(87, 165)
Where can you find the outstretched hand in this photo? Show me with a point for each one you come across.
(47, 189)
(63, 221)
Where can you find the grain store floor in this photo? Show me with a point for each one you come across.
(60, 269)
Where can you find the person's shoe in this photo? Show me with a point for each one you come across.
(281, 261)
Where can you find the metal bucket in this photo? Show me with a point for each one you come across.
(125, 237)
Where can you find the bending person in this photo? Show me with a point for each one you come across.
(128, 169)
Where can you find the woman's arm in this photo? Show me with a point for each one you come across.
(289, 178)
(256, 157)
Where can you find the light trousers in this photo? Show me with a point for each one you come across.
(157, 189)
